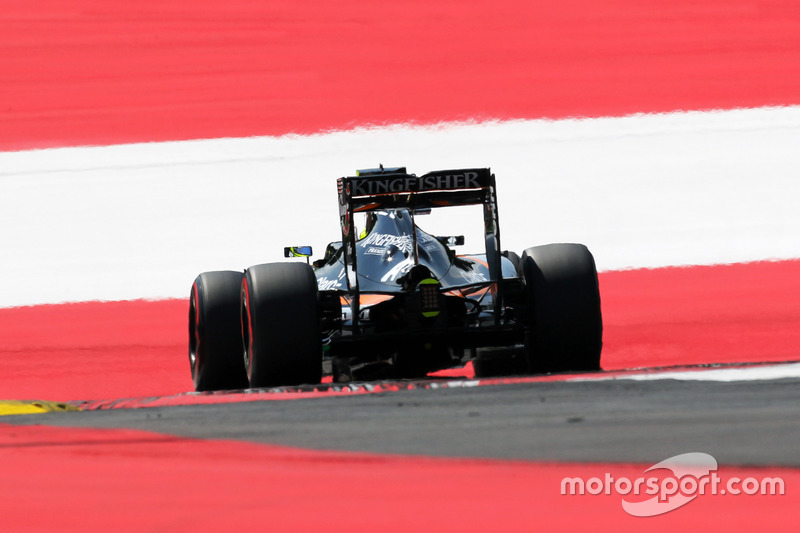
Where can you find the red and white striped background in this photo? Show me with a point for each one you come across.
(88, 73)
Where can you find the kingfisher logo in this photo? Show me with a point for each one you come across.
(693, 474)
(371, 186)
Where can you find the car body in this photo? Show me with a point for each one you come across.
(409, 304)
(394, 301)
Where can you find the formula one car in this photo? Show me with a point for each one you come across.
(393, 301)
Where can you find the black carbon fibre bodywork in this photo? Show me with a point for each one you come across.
(396, 298)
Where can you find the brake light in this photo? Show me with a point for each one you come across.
(429, 297)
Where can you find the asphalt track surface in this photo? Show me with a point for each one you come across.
(623, 421)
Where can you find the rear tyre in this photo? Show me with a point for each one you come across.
(280, 325)
(215, 332)
(513, 257)
(564, 325)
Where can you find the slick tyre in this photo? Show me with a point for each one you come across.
(280, 319)
(513, 257)
(564, 325)
(215, 332)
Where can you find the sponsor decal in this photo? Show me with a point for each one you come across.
(472, 276)
(429, 243)
(398, 270)
(389, 185)
(326, 284)
(404, 242)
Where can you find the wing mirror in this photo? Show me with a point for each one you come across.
(454, 240)
(298, 251)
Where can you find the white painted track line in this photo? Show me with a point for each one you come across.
(140, 221)
(750, 373)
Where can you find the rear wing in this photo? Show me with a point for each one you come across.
(377, 189)
(372, 190)
(394, 188)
